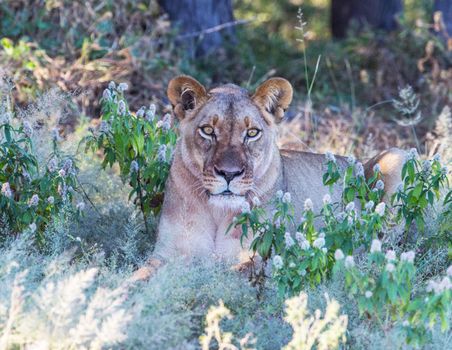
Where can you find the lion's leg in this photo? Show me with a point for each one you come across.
(391, 162)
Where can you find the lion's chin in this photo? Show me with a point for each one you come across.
(227, 202)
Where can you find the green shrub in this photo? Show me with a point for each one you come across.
(304, 255)
(32, 194)
(421, 187)
(384, 291)
(140, 144)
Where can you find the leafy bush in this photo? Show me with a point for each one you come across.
(421, 186)
(384, 290)
(309, 258)
(32, 194)
(140, 144)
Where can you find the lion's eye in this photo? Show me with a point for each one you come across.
(207, 130)
(252, 133)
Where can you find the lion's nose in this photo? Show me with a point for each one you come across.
(229, 174)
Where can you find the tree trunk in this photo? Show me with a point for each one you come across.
(445, 7)
(377, 14)
(194, 17)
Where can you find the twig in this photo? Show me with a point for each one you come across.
(207, 30)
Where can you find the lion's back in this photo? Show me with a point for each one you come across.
(302, 176)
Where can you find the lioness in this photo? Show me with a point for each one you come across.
(226, 156)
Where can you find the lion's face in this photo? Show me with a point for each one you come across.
(227, 137)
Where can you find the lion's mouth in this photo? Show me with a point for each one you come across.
(226, 193)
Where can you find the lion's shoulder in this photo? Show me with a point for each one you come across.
(315, 161)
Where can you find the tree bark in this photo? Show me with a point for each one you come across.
(377, 14)
(193, 17)
(445, 7)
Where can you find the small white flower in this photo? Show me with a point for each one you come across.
(440, 286)
(319, 243)
(62, 172)
(245, 208)
(390, 267)
(107, 95)
(368, 294)
(302, 241)
(340, 216)
(412, 154)
(104, 127)
(33, 201)
(134, 167)
(286, 198)
(326, 199)
(292, 265)
(380, 209)
(78, 239)
(140, 112)
(112, 85)
(390, 255)
(305, 245)
(375, 246)
(28, 129)
(299, 236)
(351, 160)
(426, 166)
(152, 108)
(324, 250)
(6, 190)
(303, 273)
(350, 207)
(52, 165)
(369, 206)
(349, 262)
(166, 125)
(377, 168)
(81, 206)
(150, 114)
(32, 227)
(449, 271)
(256, 201)
(67, 166)
(445, 284)
(330, 157)
(288, 240)
(380, 185)
(161, 154)
(406, 323)
(308, 205)
(359, 169)
(51, 200)
(279, 194)
(408, 256)
(122, 87)
(56, 134)
(121, 107)
(278, 262)
(338, 255)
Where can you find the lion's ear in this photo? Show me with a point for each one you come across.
(185, 93)
(274, 96)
